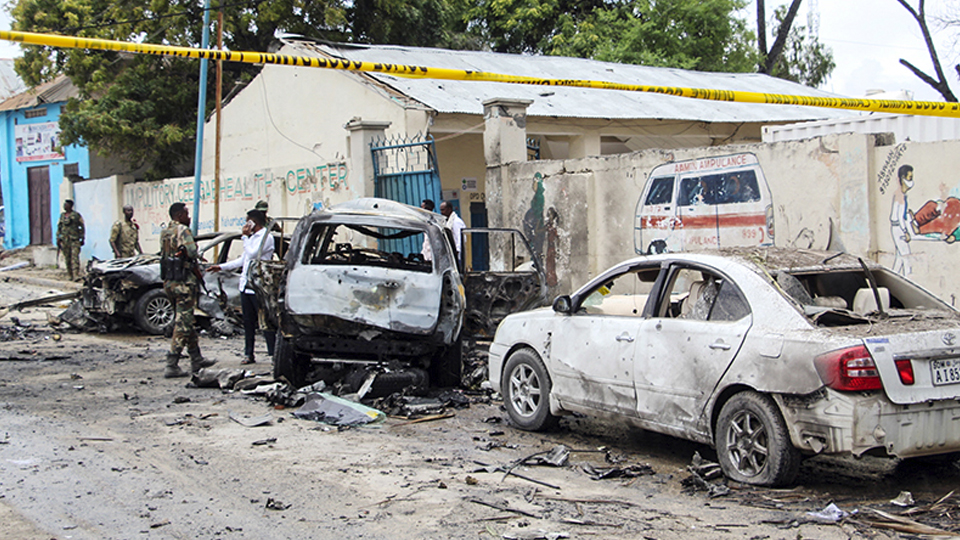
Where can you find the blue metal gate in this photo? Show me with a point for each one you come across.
(405, 170)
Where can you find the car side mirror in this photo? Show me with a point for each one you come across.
(562, 304)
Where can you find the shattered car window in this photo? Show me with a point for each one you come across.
(702, 296)
(355, 244)
(623, 295)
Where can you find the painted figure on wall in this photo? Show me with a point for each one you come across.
(900, 220)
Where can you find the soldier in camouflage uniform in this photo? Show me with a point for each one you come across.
(181, 285)
(125, 235)
(70, 236)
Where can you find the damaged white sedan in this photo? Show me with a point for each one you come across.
(767, 354)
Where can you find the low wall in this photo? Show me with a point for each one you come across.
(832, 192)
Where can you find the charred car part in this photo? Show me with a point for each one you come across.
(348, 298)
(768, 354)
(131, 288)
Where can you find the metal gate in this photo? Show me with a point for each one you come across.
(405, 170)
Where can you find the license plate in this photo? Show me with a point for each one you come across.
(946, 371)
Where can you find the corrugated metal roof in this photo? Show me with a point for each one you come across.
(906, 128)
(10, 83)
(447, 96)
(55, 91)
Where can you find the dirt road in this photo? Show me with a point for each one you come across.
(95, 444)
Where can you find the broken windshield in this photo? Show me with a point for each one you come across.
(357, 244)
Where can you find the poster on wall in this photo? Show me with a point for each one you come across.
(38, 142)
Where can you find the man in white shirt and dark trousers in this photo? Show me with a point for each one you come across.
(454, 223)
(253, 233)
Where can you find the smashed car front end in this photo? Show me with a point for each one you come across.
(111, 287)
(347, 296)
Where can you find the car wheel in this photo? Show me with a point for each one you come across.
(289, 364)
(753, 445)
(526, 391)
(154, 312)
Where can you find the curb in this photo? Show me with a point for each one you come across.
(41, 282)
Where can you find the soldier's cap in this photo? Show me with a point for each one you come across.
(261, 206)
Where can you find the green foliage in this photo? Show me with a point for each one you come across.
(705, 35)
(142, 109)
(804, 59)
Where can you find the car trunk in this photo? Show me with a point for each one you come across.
(932, 356)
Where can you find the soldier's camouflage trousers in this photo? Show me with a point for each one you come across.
(184, 298)
(71, 258)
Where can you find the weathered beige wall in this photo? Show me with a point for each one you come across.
(579, 214)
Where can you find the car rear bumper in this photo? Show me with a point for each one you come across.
(832, 422)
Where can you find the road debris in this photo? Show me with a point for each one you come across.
(503, 507)
(274, 504)
(337, 411)
(264, 442)
(831, 514)
(252, 422)
(904, 499)
(535, 535)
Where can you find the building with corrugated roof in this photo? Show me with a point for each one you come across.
(34, 165)
(307, 137)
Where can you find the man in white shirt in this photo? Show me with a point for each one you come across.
(454, 223)
(253, 235)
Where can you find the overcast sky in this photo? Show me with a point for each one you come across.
(868, 37)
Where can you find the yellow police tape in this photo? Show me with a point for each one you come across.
(927, 108)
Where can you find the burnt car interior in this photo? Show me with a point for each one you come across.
(346, 244)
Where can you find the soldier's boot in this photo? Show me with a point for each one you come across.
(173, 367)
(198, 362)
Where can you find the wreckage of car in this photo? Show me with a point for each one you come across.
(352, 304)
(767, 354)
(131, 288)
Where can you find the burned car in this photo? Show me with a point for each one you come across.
(767, 354)
(356, 296)
(131, 288)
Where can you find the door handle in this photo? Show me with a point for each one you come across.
(390, 285)
(625, 337)
(720, 345)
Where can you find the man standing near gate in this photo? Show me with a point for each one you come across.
(70, 236)
(181, 273)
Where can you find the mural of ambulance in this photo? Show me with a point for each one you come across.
(704, 203)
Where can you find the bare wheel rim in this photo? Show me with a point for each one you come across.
(747, 443)
(525, 390)
(159, 311)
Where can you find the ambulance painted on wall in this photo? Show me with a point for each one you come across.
(704, 203)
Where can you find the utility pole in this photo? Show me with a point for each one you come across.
(201, 114)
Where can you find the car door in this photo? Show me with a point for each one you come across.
(698, 325)
(592, 350)
(501, 275)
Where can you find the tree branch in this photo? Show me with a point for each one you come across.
(762, 28)
(939, 86)
(781, 40)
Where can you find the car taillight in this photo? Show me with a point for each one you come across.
(849, 369)
(905, 370)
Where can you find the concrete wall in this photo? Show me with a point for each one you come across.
(98, 201)
(833, 191)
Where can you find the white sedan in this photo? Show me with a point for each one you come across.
(767, 354)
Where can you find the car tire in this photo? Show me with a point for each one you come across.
(446, 370)
(288, 363)
(526, 392)
(753, 444)
(154, 312)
